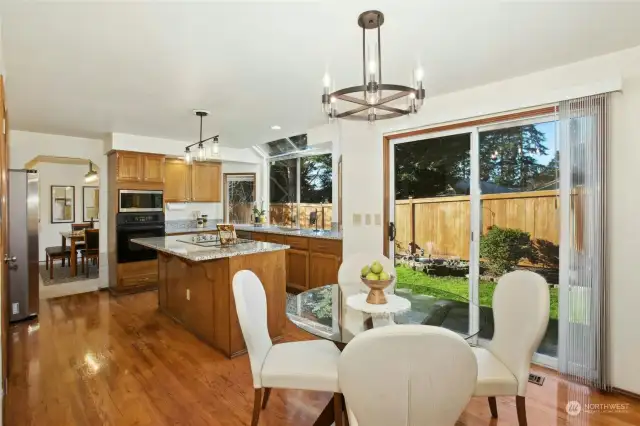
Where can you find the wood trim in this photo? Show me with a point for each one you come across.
(386, 144)
(224, 190)
(477, 122)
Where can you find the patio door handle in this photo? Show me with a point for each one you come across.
(392, 231)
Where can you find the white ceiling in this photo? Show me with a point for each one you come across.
(86, 69)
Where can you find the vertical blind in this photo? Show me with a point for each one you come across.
(584, 287)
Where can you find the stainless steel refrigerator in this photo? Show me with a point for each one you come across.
(24, 204)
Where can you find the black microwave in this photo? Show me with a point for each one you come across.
(138, 200)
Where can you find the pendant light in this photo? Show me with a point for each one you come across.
(207, 149)
(92, 175)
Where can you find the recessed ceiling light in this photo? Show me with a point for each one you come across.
(275, 127)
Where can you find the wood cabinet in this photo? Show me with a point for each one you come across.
(129, 166)
(298, 269)
(257, 236)
(311, 262)
(153, 168)
(199, 182)
(205, 182)
(177, 185)
(323, 269)
(137, 274)
(139, 167)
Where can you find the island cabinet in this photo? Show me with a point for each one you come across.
(198, 182)
(311, 262)
(199, 295)
(139, 167)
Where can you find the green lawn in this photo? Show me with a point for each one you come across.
(421, 283)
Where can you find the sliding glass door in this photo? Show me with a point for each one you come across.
(467, 206)
(433, 213)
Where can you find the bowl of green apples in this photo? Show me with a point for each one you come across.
(377, 279)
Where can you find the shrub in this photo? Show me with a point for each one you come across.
(503, 248)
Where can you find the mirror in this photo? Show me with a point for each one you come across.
(90, 203)
(63, 202)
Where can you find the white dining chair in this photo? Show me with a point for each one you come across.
(407, 375)
(307, 365)
(520, 316)
(349, 272)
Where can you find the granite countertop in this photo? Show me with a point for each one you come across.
(268, 229)
(197, 253)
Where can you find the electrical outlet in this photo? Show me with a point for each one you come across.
(15, 308)
(367, 219)
(188, 294)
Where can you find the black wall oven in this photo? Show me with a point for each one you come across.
(138, 201)
(137, 225)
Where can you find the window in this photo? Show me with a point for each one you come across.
(315, 192)
(283, 192)
(300, 191)
(239, 196)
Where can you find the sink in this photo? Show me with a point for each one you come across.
(287, 229)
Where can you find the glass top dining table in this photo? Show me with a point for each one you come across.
(324, 312)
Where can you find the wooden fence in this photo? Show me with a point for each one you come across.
(441, 225)
(281, 214)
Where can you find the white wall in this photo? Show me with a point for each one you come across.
(24, 146)
(183, 211)
(361, 148)
(58, 174)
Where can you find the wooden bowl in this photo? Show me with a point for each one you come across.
(376, 293)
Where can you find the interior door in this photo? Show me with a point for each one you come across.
(4, 234)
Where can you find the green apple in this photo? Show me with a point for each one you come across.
(384, 276)
(371, 276)
(365, 270)
(376, 267)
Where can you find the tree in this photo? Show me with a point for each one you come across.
(316, 179)
(428, 168)
(508, 156)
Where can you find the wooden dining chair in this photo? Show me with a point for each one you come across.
(407, 375)
(56, 253)
(91, 250)
(308, 365)
(80, 226)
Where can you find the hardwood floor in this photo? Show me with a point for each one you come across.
(92, 359)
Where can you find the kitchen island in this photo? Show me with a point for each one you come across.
(195, 285)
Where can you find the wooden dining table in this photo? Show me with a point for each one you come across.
(74, 237)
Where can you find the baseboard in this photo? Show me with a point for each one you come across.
(626, 393)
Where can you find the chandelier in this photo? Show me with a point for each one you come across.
(207, 149)
(372, 105)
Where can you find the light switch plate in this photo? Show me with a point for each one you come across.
(357, 219)
(367, 219)
(378, 219)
